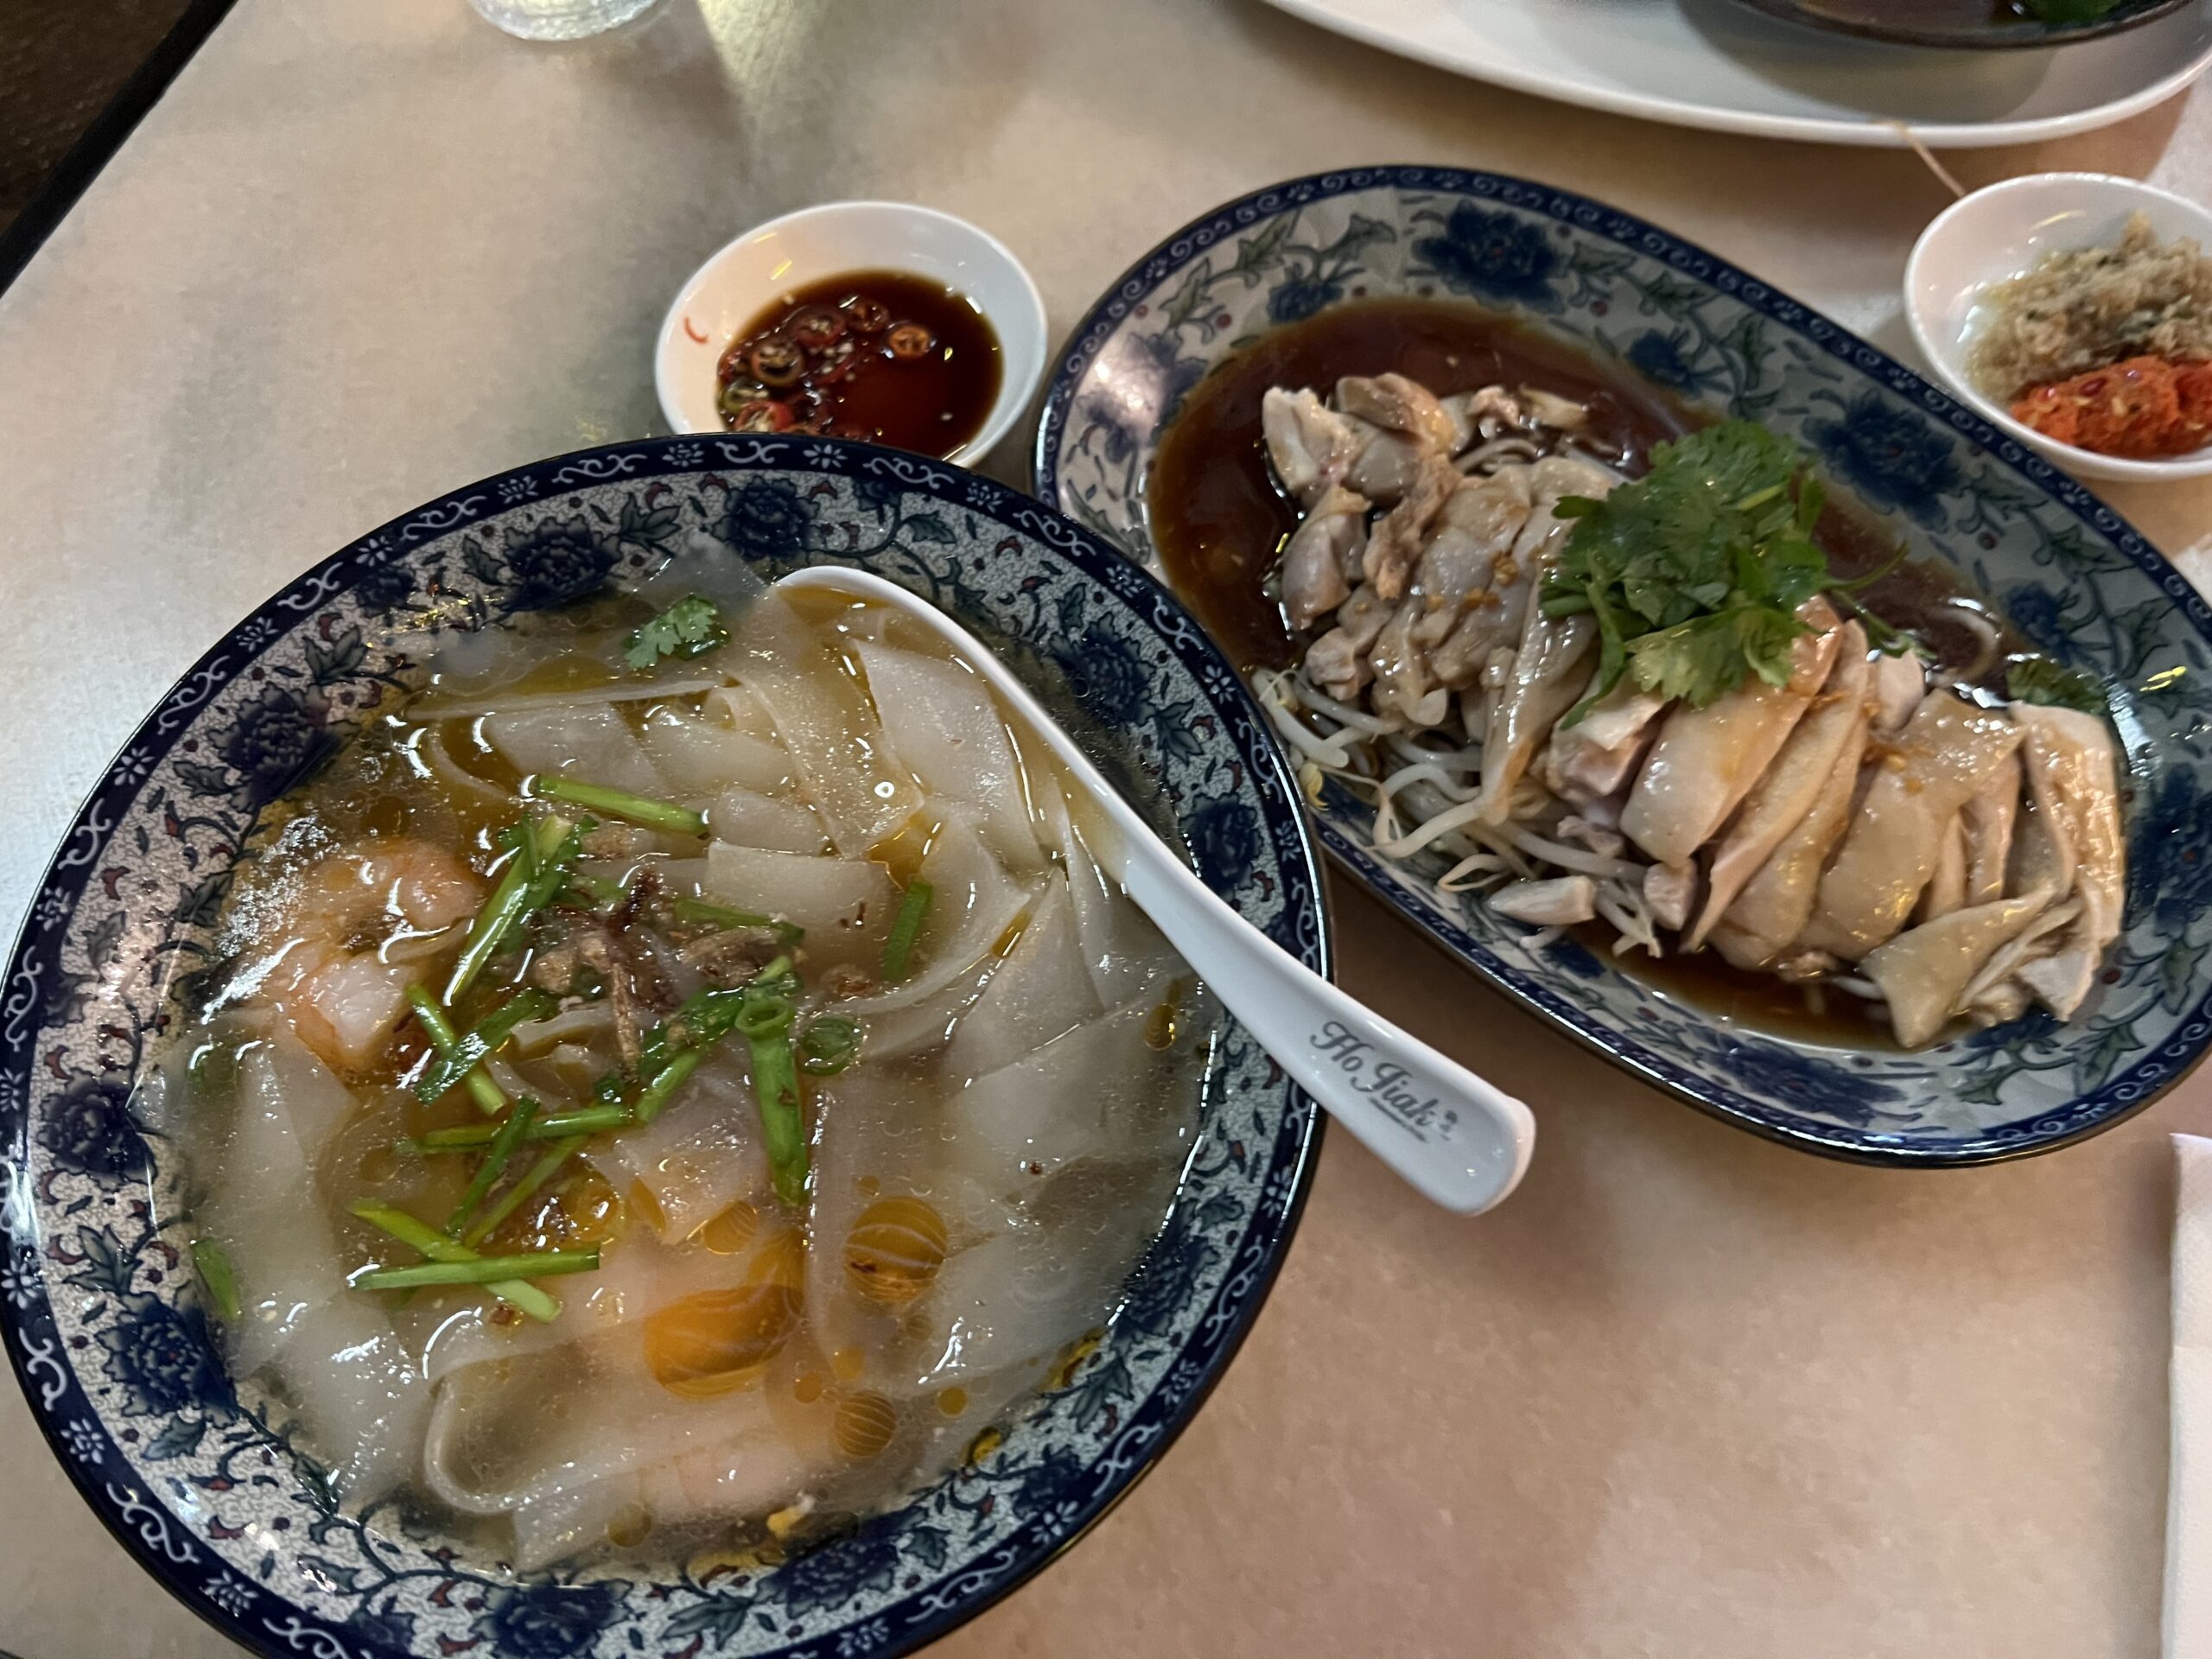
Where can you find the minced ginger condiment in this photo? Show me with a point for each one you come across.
(2106, 348)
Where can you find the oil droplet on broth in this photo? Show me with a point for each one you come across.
(642, 1201)
(732, 1232)
(714, 1341)
(952, 1402)
(863, 1426)
(1159, 1027)
(894, 1250)
(807, 1389)
(579, 1210)
(629, 1527)
(847, 1363)
(901, 852)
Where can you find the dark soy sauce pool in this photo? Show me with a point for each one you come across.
(1219, 519)
(875, 355)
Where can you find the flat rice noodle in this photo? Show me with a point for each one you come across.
(577, 1025)
(702, 566)
(826, 724)
(702, 1154)
(876, 1137)
(263, 1210)
(927, 1021)
(1010, 1306)
(846, 905)
(699, 755)
(751, 819)
(1122, 950)
(588, 743)
(944, 725)
(975, 902)
(1097, 1091)
(738, 710)
(2043, 856)
(511, 1432)
(359, 1396)
(754, 1472)
(622, 690)
(1043, 990)
(1923, 971)
(638, 1273)
(1004, 1304)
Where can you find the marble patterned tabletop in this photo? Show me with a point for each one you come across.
(1687, 1393)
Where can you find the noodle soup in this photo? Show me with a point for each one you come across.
(674, 1082)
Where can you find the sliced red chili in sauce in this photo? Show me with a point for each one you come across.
(876, 354)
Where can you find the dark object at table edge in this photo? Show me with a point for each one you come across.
(81, 163)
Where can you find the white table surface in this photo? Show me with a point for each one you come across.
(1688, 1393)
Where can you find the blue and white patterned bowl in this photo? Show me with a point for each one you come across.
(2068, 572)
(193, 1473)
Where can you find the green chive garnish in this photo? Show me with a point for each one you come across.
(508, 1286)
(492, 1270)
(666, 1082)
(913, 910)
(555, 1126)
(700, 910)
(621, 803)
(775, 1084)
(495, 1161)
(221, 1284)
(552, 844)
(444, 1038)
(602, 893)
(534, 1177)
(468, 1050)
(828, 1045)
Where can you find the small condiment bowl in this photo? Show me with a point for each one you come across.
(752, 272)
(2001, 231)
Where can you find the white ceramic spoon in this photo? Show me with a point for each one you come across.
(1457, 1139)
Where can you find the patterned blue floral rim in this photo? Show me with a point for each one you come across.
(197, 1475)
(2066, 570)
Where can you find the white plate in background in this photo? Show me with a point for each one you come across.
(1719, 65)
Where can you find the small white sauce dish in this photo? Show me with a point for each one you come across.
(767, 262)
(2001, 231)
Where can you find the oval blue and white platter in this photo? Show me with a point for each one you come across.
(2064, 569)
(194, 1470)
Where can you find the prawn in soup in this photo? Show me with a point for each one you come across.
(674, 1080)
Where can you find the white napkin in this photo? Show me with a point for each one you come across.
(2189, 1483)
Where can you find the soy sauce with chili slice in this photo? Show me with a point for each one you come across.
(876, 354)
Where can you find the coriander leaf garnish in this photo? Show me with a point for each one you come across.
(1694, 572)
(2038, 679)
(685, 629)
